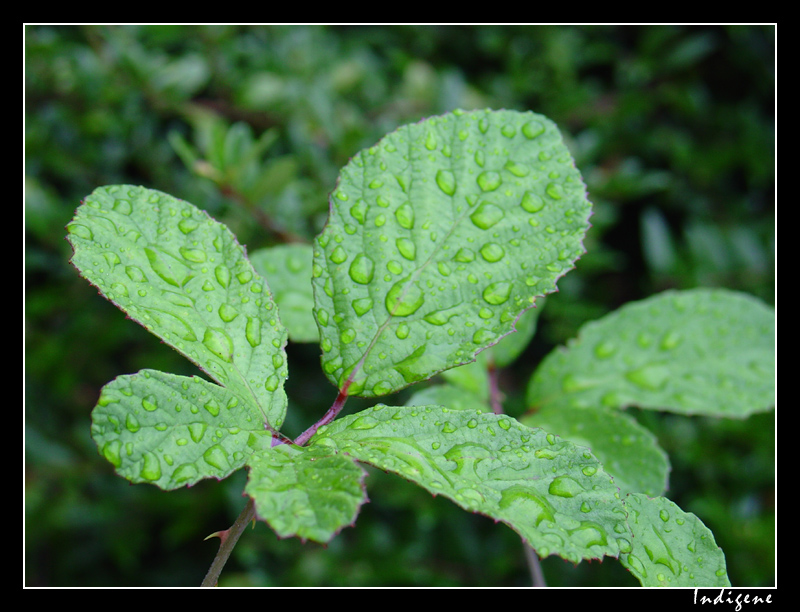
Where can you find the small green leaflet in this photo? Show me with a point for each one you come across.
(308, 492)
(553, 493)
(438, 238)
(702, 351)
(184, 277)
(172, 431)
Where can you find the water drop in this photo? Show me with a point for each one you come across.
(517, 169)
(135, 274)
(670, 340)
(362, 306)
(404, 298)
(492, 252)
(430, 141)
(212, 407)
(448, 427)
(362, 269)
(555, 191)
(407, 248)
(252, 331)
(193, 255)
(531, 202)
(497, 293)
(486, 215)
(151, 470)
(359, 211)
(489, 181)
(651, 377)
(535, 508)
(532, 129)
(168, 268)
(446, 181)
(564, 486)
(149, 403)
(111, 451)
(482, 337)
(188, 225)
(81, 231)
(605, 349)
(440, 317)
(589, 534)
(132, 423)
(223, 276)
(364, 422)
(508, 130)
(405, 216)
(227, 313)
(197, 431)
(217, 457)
(219, 343)
(123, 207)
(339, 255)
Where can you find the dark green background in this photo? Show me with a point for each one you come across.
(672, 128)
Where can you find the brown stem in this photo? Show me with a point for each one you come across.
(229, 539)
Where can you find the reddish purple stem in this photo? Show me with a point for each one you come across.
(331, 414)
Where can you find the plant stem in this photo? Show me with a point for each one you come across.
(231, 536)
(495, 395)
(228, 541)
(535, 567)
(334, 410)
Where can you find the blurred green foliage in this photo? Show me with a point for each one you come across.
(672, 127)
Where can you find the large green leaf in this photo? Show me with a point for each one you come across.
(703, 351)
(553, 493)
(172, 431)
(184, 277)
(439, 237)
(671, 547)
(308, 492)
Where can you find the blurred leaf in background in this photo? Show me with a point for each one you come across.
(671, 126)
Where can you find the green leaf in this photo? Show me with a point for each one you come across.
(307, 492)
(450, 395)
(704, 351)
(475, 376)
(439, 237)
(184, 277)
(628, 451)
(172, 431)
(287, 268)
(671, 547)
(553, 493)
(504, 353)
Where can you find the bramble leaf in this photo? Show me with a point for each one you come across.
(184, 277)
(702, 351)
(438, 238)
(307, 492)
(553, 493)
(287, 268)
(670, 547)
(172, 431)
